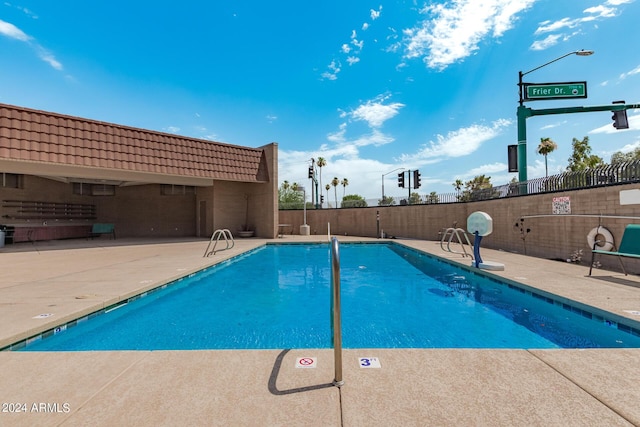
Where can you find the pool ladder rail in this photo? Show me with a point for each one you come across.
(336, 311)
(218, 235)
(449, 235)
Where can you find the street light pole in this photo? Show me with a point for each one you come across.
(522, 115)
(383, 175)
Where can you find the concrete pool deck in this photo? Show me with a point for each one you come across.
(48, 283)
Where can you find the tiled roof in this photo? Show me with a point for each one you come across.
(40, 136)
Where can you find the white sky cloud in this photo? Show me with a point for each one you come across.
(547, 42)
(554, 125)
(453, 31)
(458, 143)
(375, 14)
(634, 124)
(48, 57)
(352, 60)
(630, 73)
(605, 10)
(487, 169)
(332, 73)
(9, 30)
(352, 49)
(375, 112)
(548, 26)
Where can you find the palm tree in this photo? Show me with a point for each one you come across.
(344, 184)
(334, 182)
(321, 163)
(458, 186)
(327, 187)
(547, 146)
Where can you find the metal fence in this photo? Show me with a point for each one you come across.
(618, 173)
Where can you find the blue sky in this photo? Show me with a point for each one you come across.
(369, 86)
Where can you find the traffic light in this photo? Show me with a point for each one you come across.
(401, 180)
(416, 178)
(310, 172)
(512, 156)
(620, 117)
(321, 199)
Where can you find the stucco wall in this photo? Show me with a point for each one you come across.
(552, 237)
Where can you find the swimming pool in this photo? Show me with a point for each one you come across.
(278, 297)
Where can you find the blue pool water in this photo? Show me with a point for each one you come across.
(392, 297)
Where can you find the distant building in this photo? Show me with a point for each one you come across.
(61, 174)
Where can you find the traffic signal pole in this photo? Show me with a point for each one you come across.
(525, 112)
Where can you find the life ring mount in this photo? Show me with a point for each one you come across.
(604, 243)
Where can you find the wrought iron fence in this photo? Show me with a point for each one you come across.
(618, 173)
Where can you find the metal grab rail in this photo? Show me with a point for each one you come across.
(455, 232)
(336, 329)
(220, 233)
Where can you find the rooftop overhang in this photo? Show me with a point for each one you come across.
(67, 173)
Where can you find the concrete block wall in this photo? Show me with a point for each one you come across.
(551, 236)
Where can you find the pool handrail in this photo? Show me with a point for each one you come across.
(219, 233)
(456, 232)
(335, 312)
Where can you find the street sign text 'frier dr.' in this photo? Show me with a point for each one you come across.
(539, 91)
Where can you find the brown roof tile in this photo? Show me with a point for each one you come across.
(55, 138)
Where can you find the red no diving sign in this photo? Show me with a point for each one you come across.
(306, 362)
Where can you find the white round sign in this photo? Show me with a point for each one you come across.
(480, 222)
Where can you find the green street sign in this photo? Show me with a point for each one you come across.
(540, 91)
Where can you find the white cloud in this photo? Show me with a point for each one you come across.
(24, 10)
(554, 125)
(453, 31)
(601, 11)
(375, 112)
(375, 137)
(375, 14)
(352, 59)
(547, 42)
(461, 142)
(9, 30)
(548, 26)
(605, 10)
(630, 73)
(332, 73)
(271, 118)
(618, 2)
(351, 49)
(338, 136)
(172, 129)
(628, 148)
(487, 169)
(48, 57)
(634, 124)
